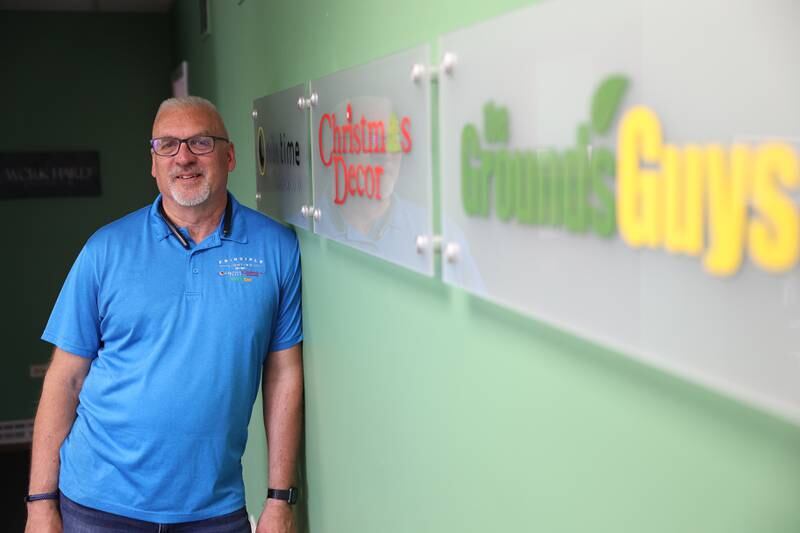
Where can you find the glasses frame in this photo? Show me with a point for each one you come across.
(213, 138)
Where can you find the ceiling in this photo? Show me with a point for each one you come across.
(102, 6)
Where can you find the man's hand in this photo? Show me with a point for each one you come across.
(277, 517)
(43, 517)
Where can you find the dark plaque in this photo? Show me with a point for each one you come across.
(31, 174)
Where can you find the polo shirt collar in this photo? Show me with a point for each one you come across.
(238, 223)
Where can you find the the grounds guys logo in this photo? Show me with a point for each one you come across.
(714, 202)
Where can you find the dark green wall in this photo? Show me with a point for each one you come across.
(69, 82)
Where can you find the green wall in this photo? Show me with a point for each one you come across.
(69, 82)
(428, 410)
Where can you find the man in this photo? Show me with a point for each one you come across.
(161, 331)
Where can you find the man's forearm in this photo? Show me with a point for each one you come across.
(54, 418)
(283, 418)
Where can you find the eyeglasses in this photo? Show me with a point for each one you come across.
(198, 145)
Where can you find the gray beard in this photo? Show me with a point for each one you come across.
(190, 199)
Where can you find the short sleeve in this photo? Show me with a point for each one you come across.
(74, 324)
(288, 329)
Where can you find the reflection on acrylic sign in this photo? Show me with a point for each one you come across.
(643, 182)
(371, 159)
(282, 177)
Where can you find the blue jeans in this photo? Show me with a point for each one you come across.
(79, 519)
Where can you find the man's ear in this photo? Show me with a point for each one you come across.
(231, 157)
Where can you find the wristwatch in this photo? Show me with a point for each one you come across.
(288, 495)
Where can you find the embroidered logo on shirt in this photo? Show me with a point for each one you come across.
(241, 269)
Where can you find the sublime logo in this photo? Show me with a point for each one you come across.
(362, 136)
(281, 152)
(713, 202)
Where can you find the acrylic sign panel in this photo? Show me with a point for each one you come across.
(627, 170)
(282, 173)
(371, 159)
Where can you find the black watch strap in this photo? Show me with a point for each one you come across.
(42, 496)
(288, 495)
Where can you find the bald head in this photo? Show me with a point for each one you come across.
(190, 103)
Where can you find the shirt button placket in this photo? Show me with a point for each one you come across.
(194, 274)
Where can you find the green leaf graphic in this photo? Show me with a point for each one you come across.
(606, 101)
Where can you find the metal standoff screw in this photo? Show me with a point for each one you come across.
(255, 114)
(304, 211)
(449, 62)
(258, 196)
(451, 252)
(423, 242)
(317, 214)
(303, 103)
(417, 71)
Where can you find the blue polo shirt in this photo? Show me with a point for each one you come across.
(177, 340)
